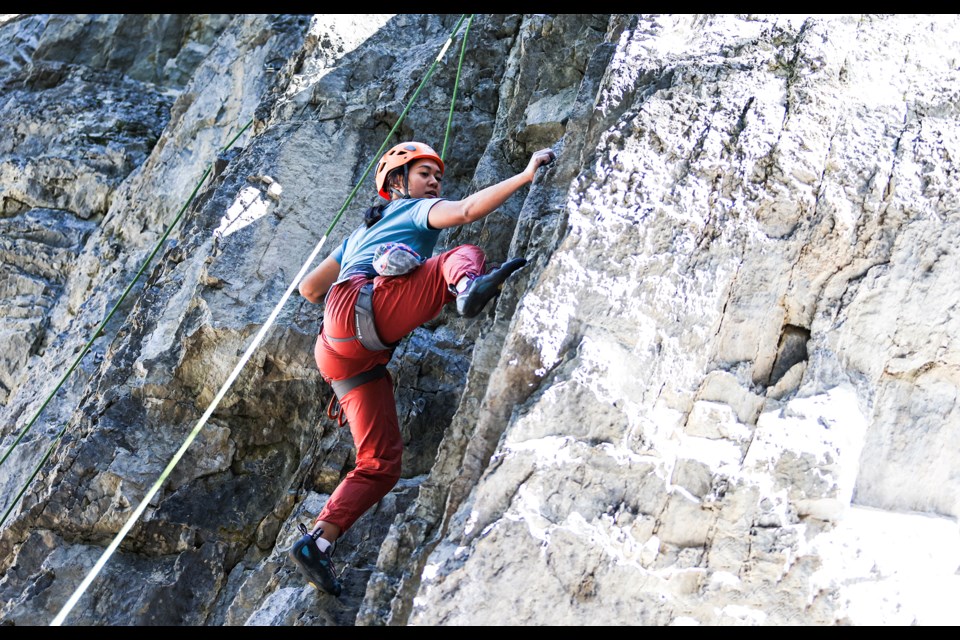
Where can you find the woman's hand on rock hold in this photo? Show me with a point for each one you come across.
(537, 160)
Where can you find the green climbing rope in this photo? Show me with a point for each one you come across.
(123, 296)
(74, 598)
(456, 83)
(403, 114)
(98, 332)
(36, 470)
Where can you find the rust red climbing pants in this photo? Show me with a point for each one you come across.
(400, 305)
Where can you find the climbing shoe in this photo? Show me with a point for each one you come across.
(481, 289)
(315, 565)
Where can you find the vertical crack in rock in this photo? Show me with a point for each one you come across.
(791, 350)
(792, 74)
(731, 288)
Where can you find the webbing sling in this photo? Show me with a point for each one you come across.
(343, 387)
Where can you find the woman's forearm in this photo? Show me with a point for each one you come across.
(315, 284)
(453, 213)
(486, 201)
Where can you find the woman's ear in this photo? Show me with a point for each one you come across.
(395, 180)
(395, 184)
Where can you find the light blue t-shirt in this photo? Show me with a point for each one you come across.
(403, 221)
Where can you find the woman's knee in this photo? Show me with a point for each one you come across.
(470, 250)
(384, 473)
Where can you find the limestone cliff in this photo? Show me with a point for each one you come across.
(722, 392)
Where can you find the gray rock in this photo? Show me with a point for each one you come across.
(721, 392)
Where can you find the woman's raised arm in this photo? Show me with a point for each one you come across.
(452, 213)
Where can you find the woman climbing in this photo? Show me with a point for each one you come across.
(378, 289)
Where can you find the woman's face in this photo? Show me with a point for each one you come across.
(424, 178)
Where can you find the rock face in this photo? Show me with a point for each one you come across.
(722, 391)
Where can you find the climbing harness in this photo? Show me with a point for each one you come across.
(366, 335)
(345, 386)
(363, 324)
(155, 488)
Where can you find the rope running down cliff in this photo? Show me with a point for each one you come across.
(58, 620)
(97, 334)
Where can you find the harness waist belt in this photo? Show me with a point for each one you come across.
(363, 321)
(342, 387)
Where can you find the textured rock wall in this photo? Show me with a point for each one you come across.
(713, 360)
(125, 417)
(722, 391)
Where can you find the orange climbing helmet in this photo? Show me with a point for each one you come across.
(399, 156)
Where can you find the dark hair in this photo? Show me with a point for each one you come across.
(373, 215)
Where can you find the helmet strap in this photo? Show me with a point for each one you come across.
(405, 194)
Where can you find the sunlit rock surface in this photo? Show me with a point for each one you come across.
(722, 392)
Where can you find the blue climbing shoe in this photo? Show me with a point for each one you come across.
(481, 289)
(315, 565)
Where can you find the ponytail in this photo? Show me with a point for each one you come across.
(373, 215)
